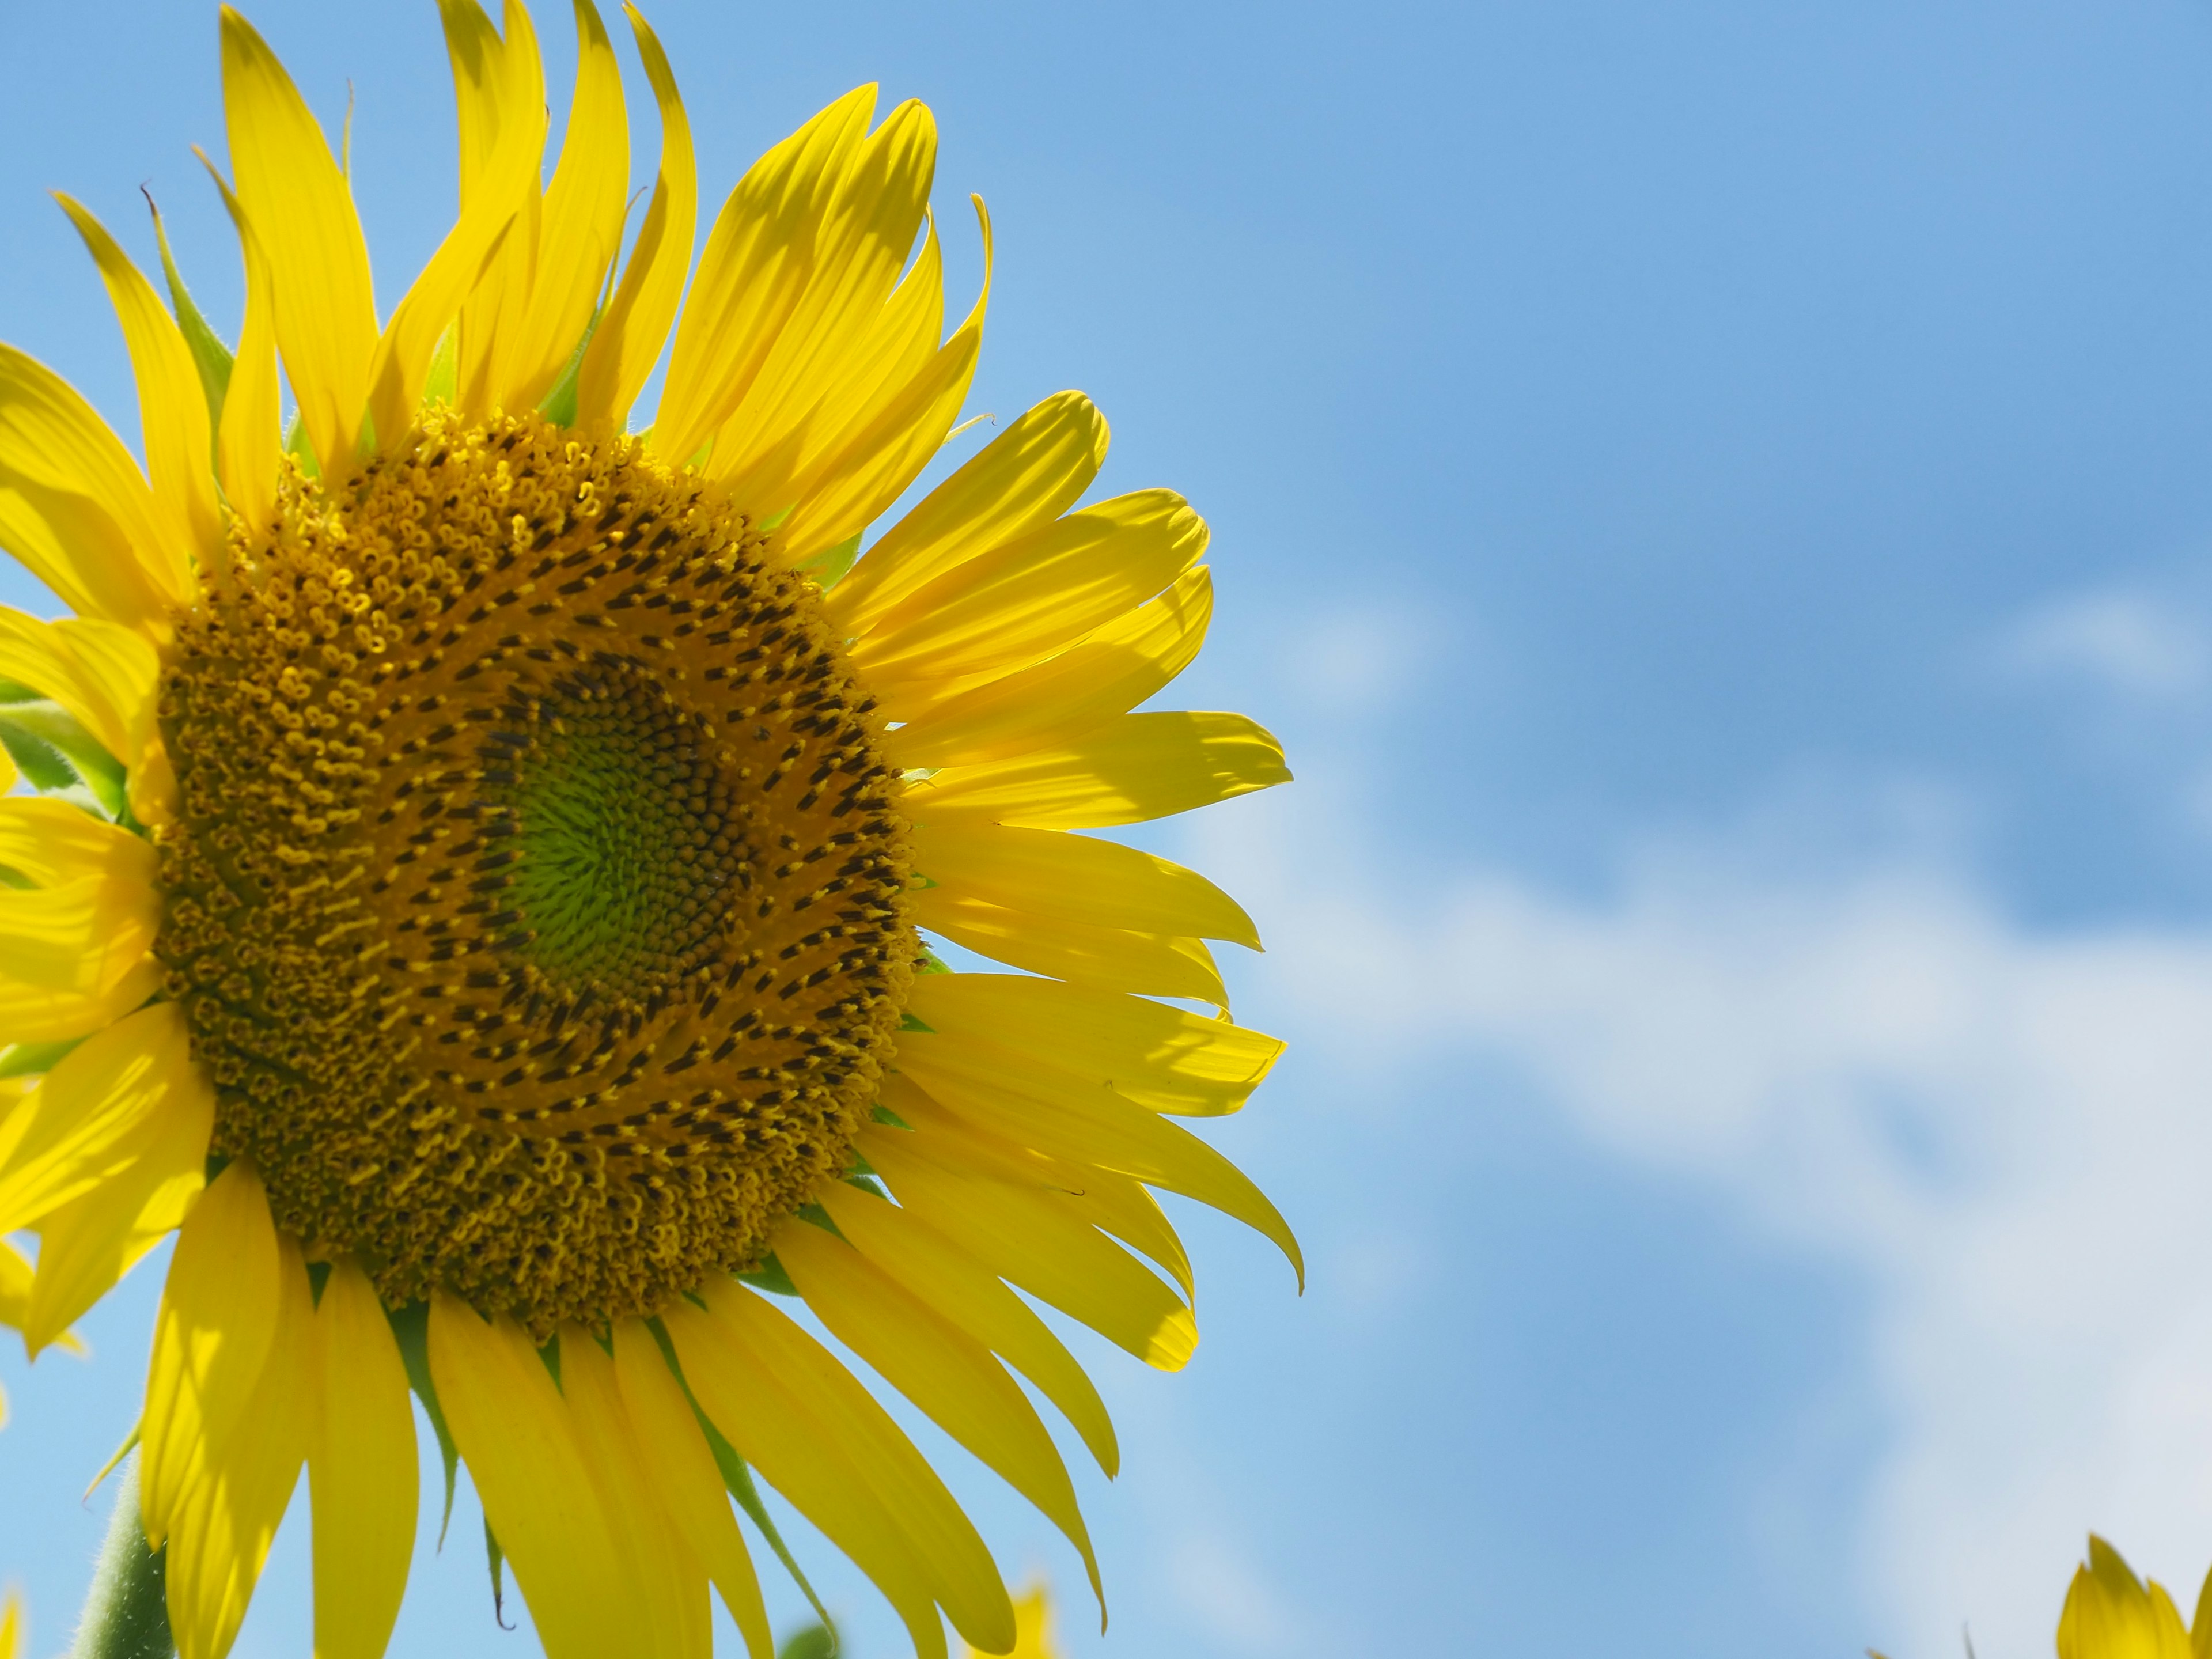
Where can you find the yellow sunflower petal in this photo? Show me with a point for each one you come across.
(225, 1518)
(948, 1374)
(582, 227)
(673, 1579)
(102, 673)
(1023, 479)
(250, 441)
(681, 1470)
(15, 1276)
(754, 273)
(293, 192)
(1028, 1238)
(75, 508)
(1099, 1127)
(498, 199)
(529, 1469)
(498, 92)
(172, 412)
(361, 1470)
(1029, 597)
(96, 1113)
(87, 1245)
(941, 1273)
(851, 486)
(73, 951)
(214, 1336)
(1108, 673)
(802, 1420)
(2109, 1615)
(1126, 771)
(1157, 1056)
(1100, 883)
(635, 326)
(1098, 959)
(11, 1610)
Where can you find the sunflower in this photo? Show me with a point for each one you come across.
(2109, 1615)
(476, 897)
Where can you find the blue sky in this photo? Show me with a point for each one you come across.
(1717, 501)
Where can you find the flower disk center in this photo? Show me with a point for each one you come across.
(535, 892)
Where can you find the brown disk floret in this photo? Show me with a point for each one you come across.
(535, 892)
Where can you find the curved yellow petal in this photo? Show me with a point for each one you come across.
(1158, 1056)
(362, 1469)
(15, 1276)
(948, 1374)
(73, 951)
(1106, 672)
(851, 486)
(806, 1423)
(1126, 771)
(941, 1273)
(529, 1469)
(11, 1611)
(75, 508)
(1099, 1126)
(214, 1334)
(673, 1580)
(1031, 596)
(102, 673)
(291, 187)
(250, 441)
(1097, 958)
(1023, 480)
(1075, 878)
(87, 1244)
(753, 275)
(2109, 1615)
(680, 1467)
(95, 1113)
(582, 227)
(224, 1520)
(172, 412)
(1028, 1238)
(498, 92)
(635, 326)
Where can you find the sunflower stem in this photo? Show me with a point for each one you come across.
(126, 1612)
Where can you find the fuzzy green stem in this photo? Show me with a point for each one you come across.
(126, 1612)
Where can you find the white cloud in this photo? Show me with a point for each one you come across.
(2128, 642)
(2010, 1132)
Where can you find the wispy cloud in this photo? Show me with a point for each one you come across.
(2007, 1133)
(2138, 644)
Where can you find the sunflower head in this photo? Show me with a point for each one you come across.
(497, 868)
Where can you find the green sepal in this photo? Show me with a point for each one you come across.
(814, 1642)
(55, 754)
(443, 383)
(909, 1023)
(737, 1477)
(931, 962)
(866, 1181)
(769, 1276)
(410, 1326)
(29, 1059)
(558, 405)
(829, 568)
(319, 1274)
(496, 1560)
(820, 1217)
(883, 1114)
(210, 355)
(550, 1355)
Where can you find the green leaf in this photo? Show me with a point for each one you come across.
(769, 1276)
(209, 355)
(57, 755)
(410, 1325)
(815, 1642)
(738, 1476)
(829, 568)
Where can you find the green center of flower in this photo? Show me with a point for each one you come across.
(535, 897)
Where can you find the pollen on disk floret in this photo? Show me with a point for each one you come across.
(535, 890)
